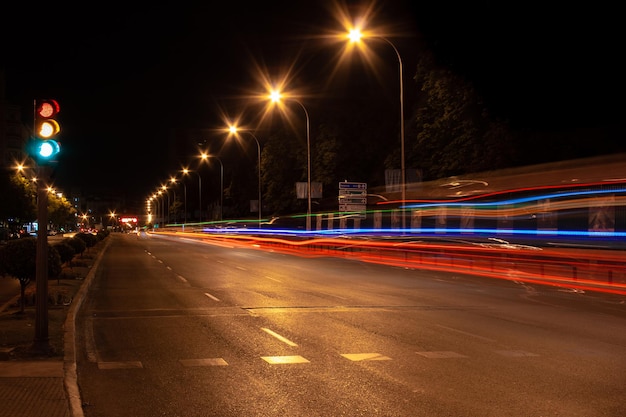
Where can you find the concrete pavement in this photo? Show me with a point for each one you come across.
(43, 388)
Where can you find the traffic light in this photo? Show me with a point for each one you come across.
(44, 146)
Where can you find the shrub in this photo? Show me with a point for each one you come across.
(77, 243)
(66, 252)
(19, 260)
(89, 239)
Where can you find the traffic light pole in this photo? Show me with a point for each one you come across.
(41, 267)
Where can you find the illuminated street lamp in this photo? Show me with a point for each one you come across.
(160, 195)
(275, 96)
(151, 213)
(203, 157)
(173, 180)
(186, 171)
(164, 190)
(113, 218)
(21, 168)
(233, 130)
(355, 36)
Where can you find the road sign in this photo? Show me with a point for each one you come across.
(349, 193)
(352, 185)
(352, 200)
(352, 207)
(352, 196)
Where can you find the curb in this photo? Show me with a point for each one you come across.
(70, 380)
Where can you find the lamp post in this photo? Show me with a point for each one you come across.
(185, 205)
(113, 219)
(233, 130)
(203, 157)
(160, 194)
(275, 96)
(355, 36)
(173, 180)
(164, 188)
(151, 209)
(187, 172)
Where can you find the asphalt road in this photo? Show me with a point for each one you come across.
(183, 328)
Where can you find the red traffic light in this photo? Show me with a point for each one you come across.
(47, 108)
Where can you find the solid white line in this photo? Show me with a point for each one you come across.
(279, 337)
(211, 297)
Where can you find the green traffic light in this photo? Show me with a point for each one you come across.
(44, 151)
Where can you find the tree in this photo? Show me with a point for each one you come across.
(452, 131)
(18, 259)
(175, 209)
(18, 202)
(326, 158)
(283, 163)
(60, 210)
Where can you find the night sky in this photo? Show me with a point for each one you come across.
(126, 75)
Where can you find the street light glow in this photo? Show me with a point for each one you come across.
(355, 35)
(275, 96)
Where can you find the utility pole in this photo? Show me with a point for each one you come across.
(41, 272)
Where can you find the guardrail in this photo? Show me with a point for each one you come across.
(577, 269)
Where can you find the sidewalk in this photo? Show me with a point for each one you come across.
(40, 386)
(33, 388)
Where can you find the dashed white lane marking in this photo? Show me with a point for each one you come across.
(273, 279)
(466, 333)
(279, 337)
(159, 261)
(211, 296)
(169, 267)
(279, 360)
(204, 362)
(182, 279)
(515, 353)
(241, 268)
(356, 357)
(120, 365)
(439, 354)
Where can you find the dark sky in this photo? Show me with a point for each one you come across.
(126, 75)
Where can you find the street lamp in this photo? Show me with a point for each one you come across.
(187, 172)
(233, 130)
(151, 212)
(355, 36)
(275, 97)
(173, 180)
(203, 157)
(164, 190)
(113, 218)
(160, 195)
(185, 205)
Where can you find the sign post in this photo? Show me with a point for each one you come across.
(352, 196)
